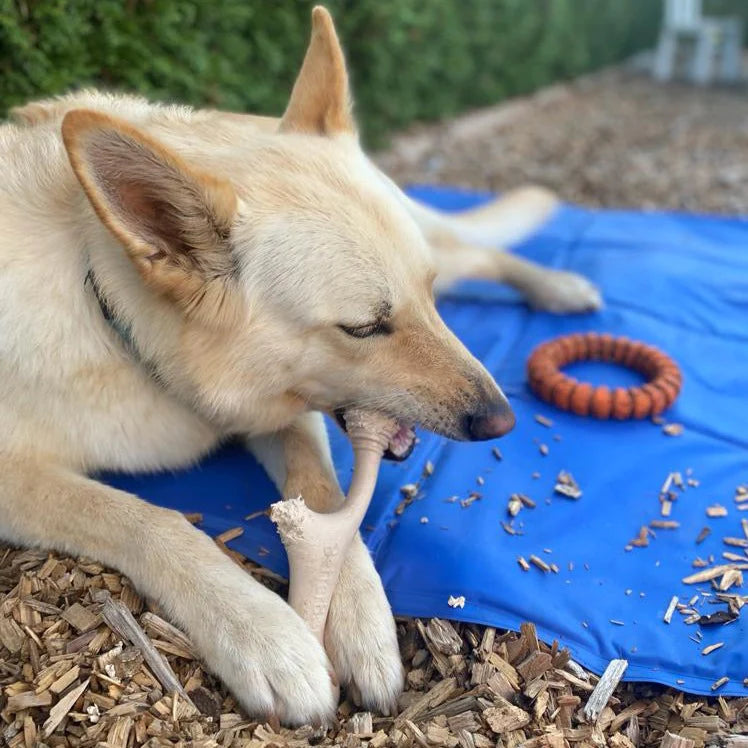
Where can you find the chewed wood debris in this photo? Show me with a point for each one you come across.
(567, 486)
(722, 578)
(673, 429)
(84, 661)
(67, 678)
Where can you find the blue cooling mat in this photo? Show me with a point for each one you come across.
(679, 282)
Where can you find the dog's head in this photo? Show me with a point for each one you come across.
(298, 276)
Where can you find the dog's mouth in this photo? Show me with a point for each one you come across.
(401, 444)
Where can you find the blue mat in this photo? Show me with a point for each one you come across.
(676, 281)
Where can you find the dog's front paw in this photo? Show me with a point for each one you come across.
(562, 292)
(264, 653)
(360, 636)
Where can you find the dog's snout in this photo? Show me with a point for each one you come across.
(491, 423)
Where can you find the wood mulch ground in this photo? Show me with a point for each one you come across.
(614, 139)
(85, 661)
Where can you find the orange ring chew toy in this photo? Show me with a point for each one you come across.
(550, 384)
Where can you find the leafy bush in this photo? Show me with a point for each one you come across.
(409, 59)
(729, 8)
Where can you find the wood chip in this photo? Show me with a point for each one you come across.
(119, 619)
(438, 694)
(712, 648)
(604, 689)
(442, 635)
(713, 573)
(229, 535)
(60, 710)
(716, 510)
(11, 634)
(65, 680)
(505, 717)
(28, 700)
(736, 542)
(567, 486)
(534, 665)
(732, 577)
(662, 524)
(675, 741)
(464, 720)
(82, 619)
(670, 609)
(361, 723)
(642, 539)
(703, 534)
(537, 561)
(157, 628)
(257, 515)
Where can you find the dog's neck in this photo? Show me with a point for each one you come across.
(122, 330)
(145, 326)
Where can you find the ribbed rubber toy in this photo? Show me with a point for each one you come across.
(549, 383)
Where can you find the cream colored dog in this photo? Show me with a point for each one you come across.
(170, 278)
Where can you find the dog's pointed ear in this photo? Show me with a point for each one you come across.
(320, 102)
(173, 220)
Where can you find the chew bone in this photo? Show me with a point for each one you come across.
(317, 543)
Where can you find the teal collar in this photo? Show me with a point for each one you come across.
(122, 330)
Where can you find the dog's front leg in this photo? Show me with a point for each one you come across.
(360, 636)
(246, 634)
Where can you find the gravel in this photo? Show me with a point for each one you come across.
(612, 139)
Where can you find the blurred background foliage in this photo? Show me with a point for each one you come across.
(410, 59)
(729, 8)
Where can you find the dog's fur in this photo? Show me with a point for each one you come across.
(232, 248)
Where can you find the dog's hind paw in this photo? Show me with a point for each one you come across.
(562, 292)
(360, 637)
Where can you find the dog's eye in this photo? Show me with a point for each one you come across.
(366, 331)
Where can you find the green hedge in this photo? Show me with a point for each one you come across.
(410, 59)
(729, 8)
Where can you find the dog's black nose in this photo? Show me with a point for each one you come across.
(491, 424)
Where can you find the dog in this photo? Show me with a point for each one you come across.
(170, 278)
